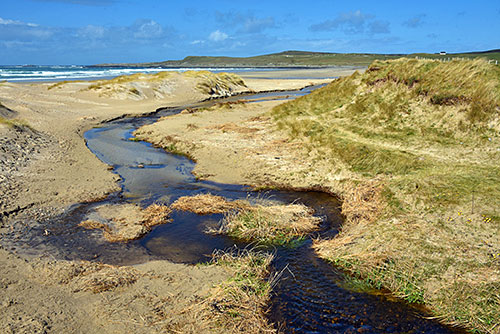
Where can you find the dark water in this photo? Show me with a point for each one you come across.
(309, 297)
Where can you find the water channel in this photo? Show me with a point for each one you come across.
(310, 296)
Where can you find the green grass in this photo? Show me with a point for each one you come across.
(474, 83)
(172, 148)
(427, 133)
(303, 58)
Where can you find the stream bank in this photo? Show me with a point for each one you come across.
(310, 296)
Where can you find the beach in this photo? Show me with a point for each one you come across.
(47, 168)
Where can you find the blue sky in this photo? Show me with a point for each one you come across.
(97, 31)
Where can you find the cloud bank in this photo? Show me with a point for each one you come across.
(353, 23)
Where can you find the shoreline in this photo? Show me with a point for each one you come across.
(301, 72)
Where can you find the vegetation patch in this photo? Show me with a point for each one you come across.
(122, 223)
(232, 127)
(205, 204)
(416, 143)
(273, 224)
(239, 305)
(126, 79)
(135, 86)
(305, 58)
(14, 122)
(216, 84)
(220, 106)
(60, 84)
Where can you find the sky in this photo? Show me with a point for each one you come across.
(116, 31)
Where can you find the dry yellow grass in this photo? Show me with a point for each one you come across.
(216, 84)
(363, 203)
(13, 123)
(205, 204)
(94, 225)
(156, 214)
(125, 79)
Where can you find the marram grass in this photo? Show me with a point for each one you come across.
(421, 141)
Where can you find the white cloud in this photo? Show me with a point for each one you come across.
(91, 32)
(256, 25)
(17, 23)
(353, 23)
(147, 29)
(12, 30)
(248, 23)
(415, 21)
(14, 44)
(218, 36)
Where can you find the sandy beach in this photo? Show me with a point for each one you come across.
(46, 167)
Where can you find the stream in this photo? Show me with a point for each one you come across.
(309, 297)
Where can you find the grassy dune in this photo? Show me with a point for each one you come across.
(420, 142)
(141, 86)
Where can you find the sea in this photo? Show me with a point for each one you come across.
(34, 73)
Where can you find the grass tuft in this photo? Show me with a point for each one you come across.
(216, 84)
(239, 305)
(60, 84)
(125, 79)
(274, 224)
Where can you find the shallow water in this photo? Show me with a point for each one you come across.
(309, 298)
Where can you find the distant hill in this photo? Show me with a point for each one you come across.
(482, 52)
(295, 58)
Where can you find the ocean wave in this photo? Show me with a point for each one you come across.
(76, 72)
